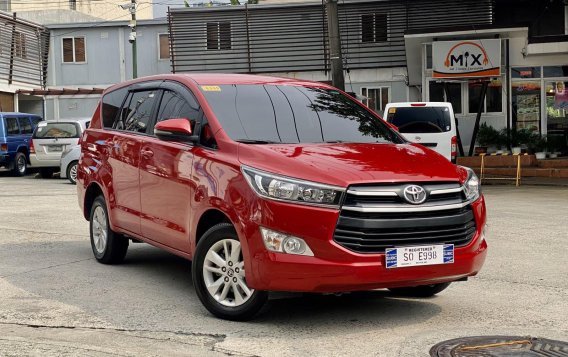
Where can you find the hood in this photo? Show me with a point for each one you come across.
(348, 164)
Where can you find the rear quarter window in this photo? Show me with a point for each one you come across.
(112, 102)
(57, 130)
(420, 119)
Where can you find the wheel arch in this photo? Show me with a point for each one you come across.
(208, 219)
(91, 193)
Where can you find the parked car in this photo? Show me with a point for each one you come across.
(432, 124)
(50, 139)
(15, 135)
(272, 184)
(68, 164)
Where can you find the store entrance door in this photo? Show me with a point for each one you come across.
(557, 116)
(526, 105)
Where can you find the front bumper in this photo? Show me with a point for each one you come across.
(337, 269)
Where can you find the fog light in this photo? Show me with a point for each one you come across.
(283, 243)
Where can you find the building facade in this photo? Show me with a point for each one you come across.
(387, 53)
(86, 59)
(23, 62)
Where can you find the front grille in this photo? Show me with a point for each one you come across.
(373, 218)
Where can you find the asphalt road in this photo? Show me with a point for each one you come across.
(55, 299)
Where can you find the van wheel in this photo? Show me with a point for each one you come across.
(108, 247)
(420, 291)
(218, 272)
(72, 172)
(46, 172)
(20, 164)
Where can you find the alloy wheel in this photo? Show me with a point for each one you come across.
(73, 173)
(99, 228)
(21, 164)
(224, 273)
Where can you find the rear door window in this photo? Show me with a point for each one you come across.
(25, 125)
(57, 130)
(12, 127)
(138, 113)
(420, 119)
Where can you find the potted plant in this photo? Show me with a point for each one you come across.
(540, 145)
(488, 139)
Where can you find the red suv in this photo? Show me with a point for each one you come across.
(271, 184)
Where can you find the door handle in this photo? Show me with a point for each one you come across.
(146, 153)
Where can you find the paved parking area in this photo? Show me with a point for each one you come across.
(57, 300)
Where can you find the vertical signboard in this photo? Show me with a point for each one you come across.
(466, 59)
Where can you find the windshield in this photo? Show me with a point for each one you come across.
(56, 130)
(293, 114)
(420, 119)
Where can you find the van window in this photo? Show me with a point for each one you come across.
(420, 119)
(136, 116)
(12, 126)
(294, 114)
(57, 130)
(112, 102)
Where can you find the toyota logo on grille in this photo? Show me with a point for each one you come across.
(415, 194)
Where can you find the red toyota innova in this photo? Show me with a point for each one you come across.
(272, 184)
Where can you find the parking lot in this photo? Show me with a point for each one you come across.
(57, 300)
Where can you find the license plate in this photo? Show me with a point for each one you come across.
(56, 148)
(401, 257)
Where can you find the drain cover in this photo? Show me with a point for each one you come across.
(498, 346)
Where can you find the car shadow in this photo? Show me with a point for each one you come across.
(153, 288)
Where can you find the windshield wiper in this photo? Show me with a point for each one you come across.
(252, 141)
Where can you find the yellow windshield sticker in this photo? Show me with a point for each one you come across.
(392, 110)
(211, 88)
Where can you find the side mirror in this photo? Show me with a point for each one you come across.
(178, 129)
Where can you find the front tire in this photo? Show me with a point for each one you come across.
(421, 291)
(108, 247)
(218, 273)
(72, 172)
(20, 164)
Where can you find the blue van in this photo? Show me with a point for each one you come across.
(16, 131)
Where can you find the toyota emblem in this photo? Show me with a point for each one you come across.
(415, 194)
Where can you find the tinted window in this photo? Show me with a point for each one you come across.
(292, 114)
(111, 105)
(12, 126)
(136, 116)
(35, 121)
(25, 125)
(174, 106)
(420, 119)
(57, 130)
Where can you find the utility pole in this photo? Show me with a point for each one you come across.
(336, 58)
(132, 37)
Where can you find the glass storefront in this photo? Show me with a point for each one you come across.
(525, 100)
(557, 114)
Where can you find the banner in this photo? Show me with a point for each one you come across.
(466, 59)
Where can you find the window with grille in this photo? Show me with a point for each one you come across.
(374, 28)
(20, 44)
(73, 4)
(219, 35)
(74, 50)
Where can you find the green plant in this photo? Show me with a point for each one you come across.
(488, 136)
(522, 137)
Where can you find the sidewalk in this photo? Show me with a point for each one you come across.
(531, 181)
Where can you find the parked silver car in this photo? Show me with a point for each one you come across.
(50, 139)
(68, 165)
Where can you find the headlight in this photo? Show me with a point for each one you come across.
(289, 189)
(472, 186)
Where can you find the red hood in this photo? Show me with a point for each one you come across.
(347, 164)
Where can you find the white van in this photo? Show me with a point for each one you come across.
(431, 124)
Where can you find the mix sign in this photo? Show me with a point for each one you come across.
(465, 59)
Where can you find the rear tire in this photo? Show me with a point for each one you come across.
(421, 291)
(219, 276)
(46, 172)
(20, 165)
(108, 247)
(72, 172)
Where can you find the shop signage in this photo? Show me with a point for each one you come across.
(466, 59)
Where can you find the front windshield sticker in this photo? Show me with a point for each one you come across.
(211, 88)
